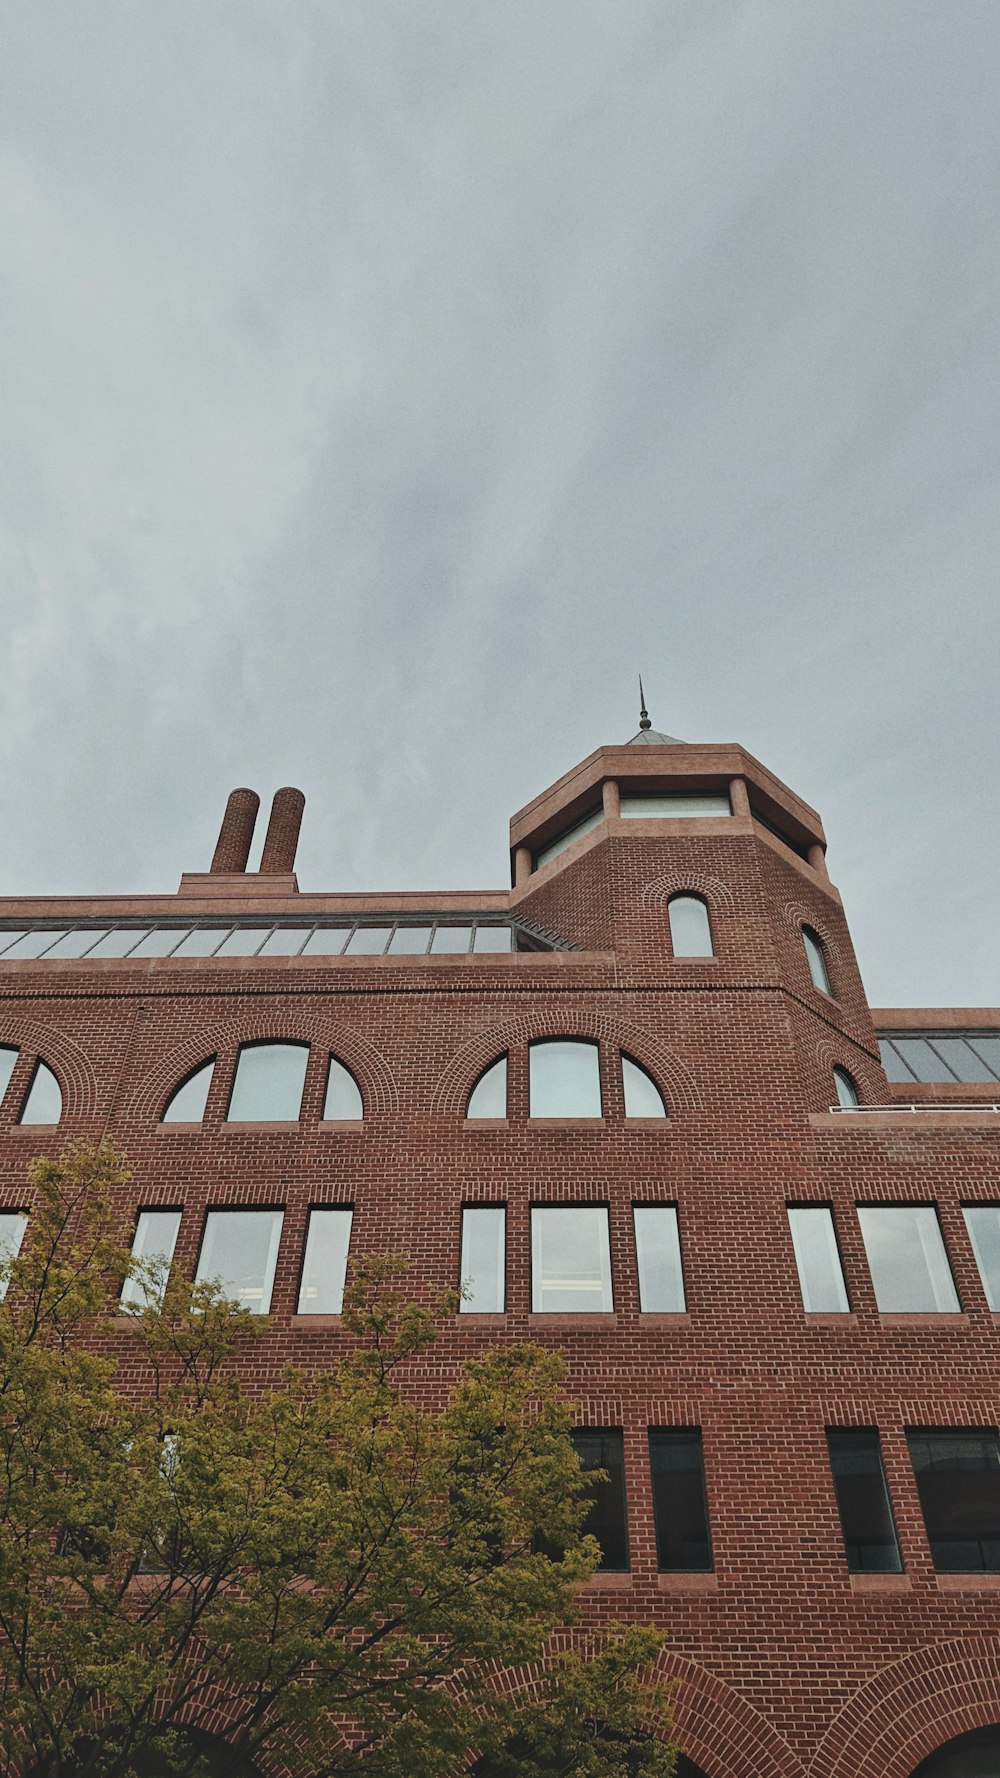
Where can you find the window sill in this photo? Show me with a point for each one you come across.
(979, 1582)
(180, 1127)
(482, 1318)
(611, 1582)
(565, 1123)
(688, 1580)
(830, 1318)
(881, 1583)
(341, 1123)
(646, 1123)
(920, 1318)
(241, 1124)
(664, 1318)
(599, 1319)
(315, 1323)
(485, 1123)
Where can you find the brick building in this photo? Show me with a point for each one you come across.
(640, 1103)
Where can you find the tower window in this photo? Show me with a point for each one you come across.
(816, 959)
(847, 1092)
(690, 931)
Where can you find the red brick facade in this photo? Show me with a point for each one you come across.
(789, 1665)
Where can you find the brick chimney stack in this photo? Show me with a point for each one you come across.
(278, 857)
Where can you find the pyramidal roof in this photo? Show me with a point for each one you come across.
(649, 736)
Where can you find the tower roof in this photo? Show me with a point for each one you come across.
(648, 735)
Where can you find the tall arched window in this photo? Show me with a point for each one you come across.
(816, 959)
(564, 1078)
(690, 931)
(343, 1102)
(847, 1092)
(43, 1104)
(186, 1104)
(642, 1095)
(489, 1095)
(268, 1084)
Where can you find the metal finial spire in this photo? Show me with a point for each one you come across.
(644, 721)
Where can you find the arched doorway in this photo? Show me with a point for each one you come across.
(976, 1755)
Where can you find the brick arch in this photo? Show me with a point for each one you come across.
(369, 1066)
(831, 1055)
(796, 915)
(911, 1708)
(719, 1729)
(455, 1083)
(71, 1066)
(659, 890)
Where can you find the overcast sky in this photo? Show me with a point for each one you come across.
(384, 383)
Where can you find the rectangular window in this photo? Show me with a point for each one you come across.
(817, 1256)
(907, 1259)
(606, 1520)
(239, 1250)
(153, 1245)
(268, 1084)
(658, 1255)
(564, 1079)
(12, 1226)
(680, 1505)
(983, 1224)
(863, 1501)
(958, 1480)
(484, 1240)
(571, 1260)
(324, 1267)
(644, 807)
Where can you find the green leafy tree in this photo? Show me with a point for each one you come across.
(350, 1577)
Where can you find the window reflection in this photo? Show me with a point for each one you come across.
(489, 1095)
(564, 1079)
(268, 1084)
(343, 1096)
(571, 1260)
(187, 1104)
(43, 1104)
(690, 931)
(324, 1268)
(642, 1095)
(239, 1249)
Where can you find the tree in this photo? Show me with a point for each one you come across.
(347, 1575)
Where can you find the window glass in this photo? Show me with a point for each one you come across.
(245, 941)
(240, 1249)
(989, 1049)
(895, 1067)
(369, 940)
(411, 940)
(160, 942)
(958, 1480)
(287, 941)
(453, 938)
(680, 1507)
(646, 806)
(33, 943)
(187, 1104)
(817, 1256)
(268, 1084)
(847, 1092)
(566, 839)
(642, 1095)
(43, 1104)
(571, 1260)
(494, 938)
(983, 1224)
(907, 1259)
(9, 938)
(324, 1268)
(690, 932)
(918, 1055)
(119, 942)
(863, 1502)
(606, 1520)
(658, 1255)
(329, 941)
(564, 1080)
(203, 942)
(962, 1060)
(77, 943)
(153, 1244)
(817, 961)
(8, 1057)
(343, 1096)
(975, 1755)
(489, 1095)
(484, 1229)
(12, 1226)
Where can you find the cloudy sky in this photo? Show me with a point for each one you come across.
(386, 382)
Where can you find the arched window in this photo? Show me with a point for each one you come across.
(690, 931)
(8, 1057)
(564, 1078)
(816, 959)
(642, 1095)
(343, 1103)
(268, 1084)
(847, 1092)
(489, 1095)
(43, 1104)
(186, 1104)
(976, 1755)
